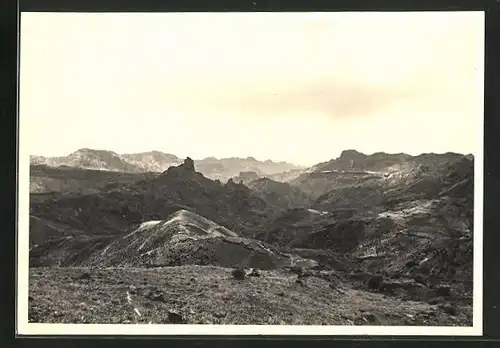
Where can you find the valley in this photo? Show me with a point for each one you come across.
(381, 239)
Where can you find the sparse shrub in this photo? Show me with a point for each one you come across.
(254, 273)
(420, 279)
(449, 309)
(176, 318)
(297, 270)
(443, 291)
(410, 264)
(375, 282)
(424, 269)
(238, 273)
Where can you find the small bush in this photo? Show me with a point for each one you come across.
(238, 273)
(448, 309)
(420, 279)
(411, 264)
(443, 291)
(375, 282)
(297, 270)
(176, 318)
(254, 273)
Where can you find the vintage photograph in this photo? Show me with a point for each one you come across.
(263, 171)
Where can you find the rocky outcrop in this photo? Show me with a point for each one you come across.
(188, 164)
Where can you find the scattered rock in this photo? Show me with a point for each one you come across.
(297, 270)
(304, 274)
(370, 317)
(360, 320)
(281, 294)
(400, 287)
(254, 273)
(428, 314)
(219, 314)
(84, 276)
(156, 296)
(436, 300)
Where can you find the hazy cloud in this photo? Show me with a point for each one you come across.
(266, 85)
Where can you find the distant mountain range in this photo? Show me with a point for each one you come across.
(156, 161)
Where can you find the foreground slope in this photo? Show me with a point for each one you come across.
(209, 295)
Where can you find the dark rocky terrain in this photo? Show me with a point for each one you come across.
(376, 239)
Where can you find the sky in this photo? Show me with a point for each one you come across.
(296, 87)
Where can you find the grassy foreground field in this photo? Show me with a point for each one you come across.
(210, 295)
